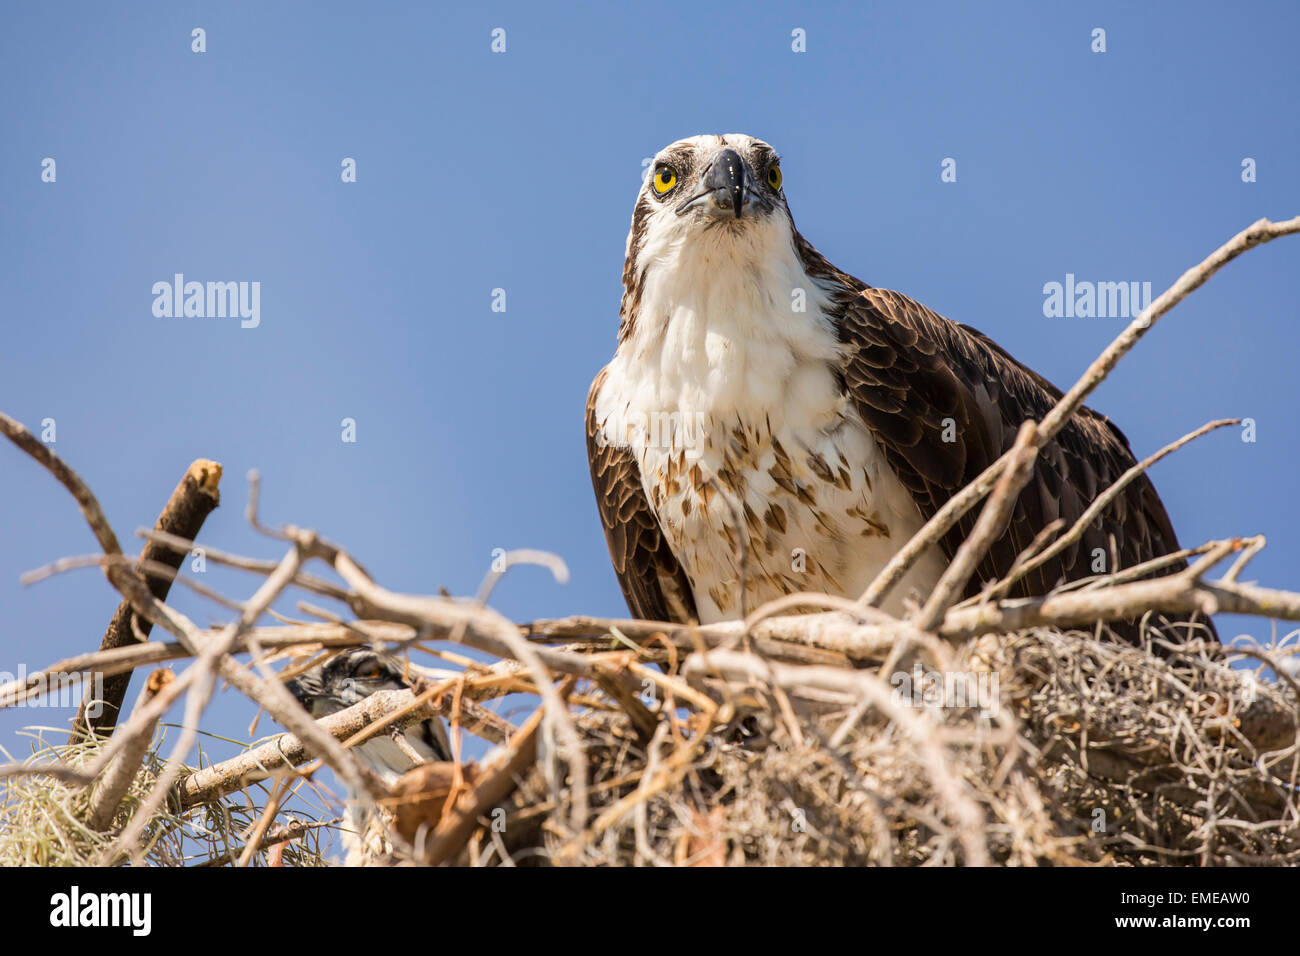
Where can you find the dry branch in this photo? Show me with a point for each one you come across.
(492, 785)
(286, 750)
(115, 782)
(194, 499)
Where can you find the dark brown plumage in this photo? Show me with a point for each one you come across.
(911, 371)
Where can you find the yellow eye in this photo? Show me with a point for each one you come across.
(665, 179)
(774, 177)
(368, 670)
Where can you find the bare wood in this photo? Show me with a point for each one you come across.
(214, 659)
(483, 723)
(481, 627)
(288, 750)
(307, 582)
(834, 632)
(293, 830)
(115, 782)
(376, 714)
(772, 641)
(420, 796)
(195, 497)
(156, 652)
(1173, 594)
(829, 637)
(121, 576)
(494, 783)
(643, 721)
(682, 637)
(1256, 234)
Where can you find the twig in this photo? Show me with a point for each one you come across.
(483, 628)
(863, 686)
(293, 830)
(371, 716)
(115, 782)
(1100, 504)
(17, 433)
(988, 528)
(493, 784)
(952, 511)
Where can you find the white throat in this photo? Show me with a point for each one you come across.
(725, 392)
(729, 322)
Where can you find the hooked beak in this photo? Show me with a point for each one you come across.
(725, 187)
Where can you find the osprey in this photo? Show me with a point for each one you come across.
(351, 677)
(769, 424)
(348, 679)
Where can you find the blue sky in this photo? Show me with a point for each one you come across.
(518, 170)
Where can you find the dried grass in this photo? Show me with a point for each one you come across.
(43, 818)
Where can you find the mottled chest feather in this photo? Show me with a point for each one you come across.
(753, 462)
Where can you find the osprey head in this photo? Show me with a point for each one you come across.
(351, 677)
(710, 212)
(706, 181)
(345, 680)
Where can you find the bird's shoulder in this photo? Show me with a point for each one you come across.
(944, 401)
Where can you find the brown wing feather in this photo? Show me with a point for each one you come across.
(653, 583)
(944, 401)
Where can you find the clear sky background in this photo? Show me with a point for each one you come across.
(518, 170)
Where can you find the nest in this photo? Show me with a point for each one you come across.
(44, 819)
(1040, 747)
(1093, 753)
